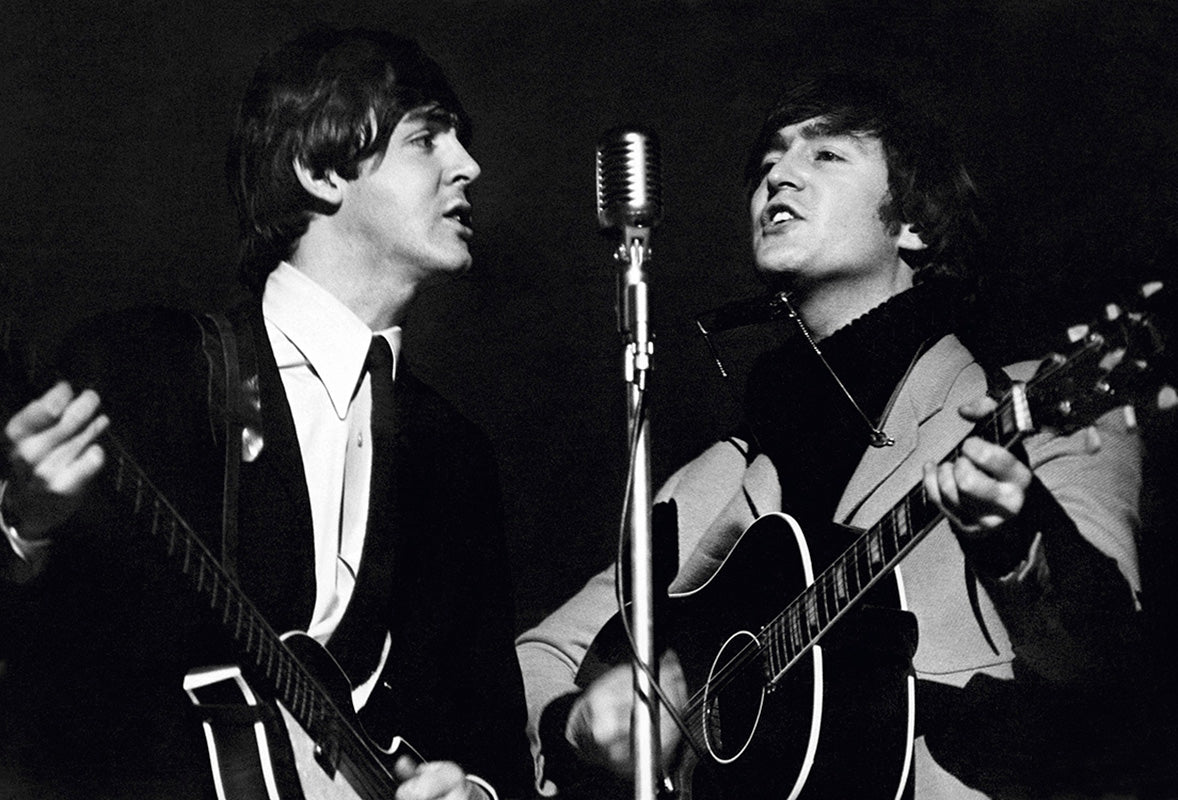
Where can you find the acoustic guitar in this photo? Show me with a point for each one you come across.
(768, 702)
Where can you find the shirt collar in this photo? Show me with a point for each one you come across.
(325, 334)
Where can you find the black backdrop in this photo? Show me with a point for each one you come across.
(114, 119)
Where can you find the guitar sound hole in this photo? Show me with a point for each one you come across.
(733, 698)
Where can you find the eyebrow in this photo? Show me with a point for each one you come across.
(813, 130)
(432, 114)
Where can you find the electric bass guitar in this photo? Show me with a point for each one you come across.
(762, 719)
(333, 756)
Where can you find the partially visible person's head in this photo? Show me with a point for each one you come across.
(328, 100)
(928, 185)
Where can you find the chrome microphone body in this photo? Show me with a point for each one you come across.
(630, 200)
(629, 179)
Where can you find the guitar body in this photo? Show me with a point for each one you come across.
(259, 750)
(837, 724)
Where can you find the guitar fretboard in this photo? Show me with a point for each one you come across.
(265, 657)
(869, 558)
(1065, 392)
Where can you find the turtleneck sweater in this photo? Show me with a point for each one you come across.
(796, 413)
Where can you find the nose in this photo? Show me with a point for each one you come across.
(784, 174)
(465, 167)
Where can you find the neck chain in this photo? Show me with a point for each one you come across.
(879, 437)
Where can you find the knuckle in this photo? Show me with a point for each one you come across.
(20, 454)
(945, 473)
(1010, 498)
(60, 483)
(964, 475)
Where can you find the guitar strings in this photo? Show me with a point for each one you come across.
(130, 483)
(753, 654)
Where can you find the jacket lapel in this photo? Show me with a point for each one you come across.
(921, 397)
(277, 545)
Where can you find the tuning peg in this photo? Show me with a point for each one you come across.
(1112, 311)
(1151, 288)
(1130, 417)
(1077, 332)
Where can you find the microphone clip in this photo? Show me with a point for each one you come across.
(632, 303)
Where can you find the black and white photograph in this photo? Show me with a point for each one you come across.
(507, 399)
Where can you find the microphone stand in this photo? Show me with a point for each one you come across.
(633, 322)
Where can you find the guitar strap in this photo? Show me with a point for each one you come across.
(749, 453)
(230, 713)
(235, 408)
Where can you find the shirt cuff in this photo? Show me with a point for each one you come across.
(1014, 546)
(562, 765)
(30, 552)
(482, 784)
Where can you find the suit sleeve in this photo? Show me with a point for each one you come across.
(1066, 592)
(466, 694)
(712, 512)
(501, 703)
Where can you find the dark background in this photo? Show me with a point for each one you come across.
(115, 116)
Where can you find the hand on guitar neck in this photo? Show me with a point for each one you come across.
(983, 488)
(52, 453)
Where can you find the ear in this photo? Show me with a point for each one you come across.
(327, 186)
(910, 238)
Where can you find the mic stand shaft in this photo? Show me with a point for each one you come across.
(634, 322)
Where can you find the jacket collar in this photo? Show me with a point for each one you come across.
(921, 397)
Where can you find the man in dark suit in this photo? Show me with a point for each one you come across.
(366, 509)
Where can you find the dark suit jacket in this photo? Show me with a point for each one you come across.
(97, 646)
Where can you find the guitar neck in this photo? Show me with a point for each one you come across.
(874, 554)
(264, 656)
(155, 516)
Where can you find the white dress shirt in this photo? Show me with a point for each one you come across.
(320, 347)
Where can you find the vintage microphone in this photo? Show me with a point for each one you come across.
(629, 201)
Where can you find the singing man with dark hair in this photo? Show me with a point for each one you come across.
(365, 511)
(1019, 604)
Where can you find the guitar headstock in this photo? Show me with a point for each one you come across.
(1116, 360)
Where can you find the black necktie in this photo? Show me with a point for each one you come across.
(357, 642)
(380, 369)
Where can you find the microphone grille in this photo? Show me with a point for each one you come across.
(629, 179)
